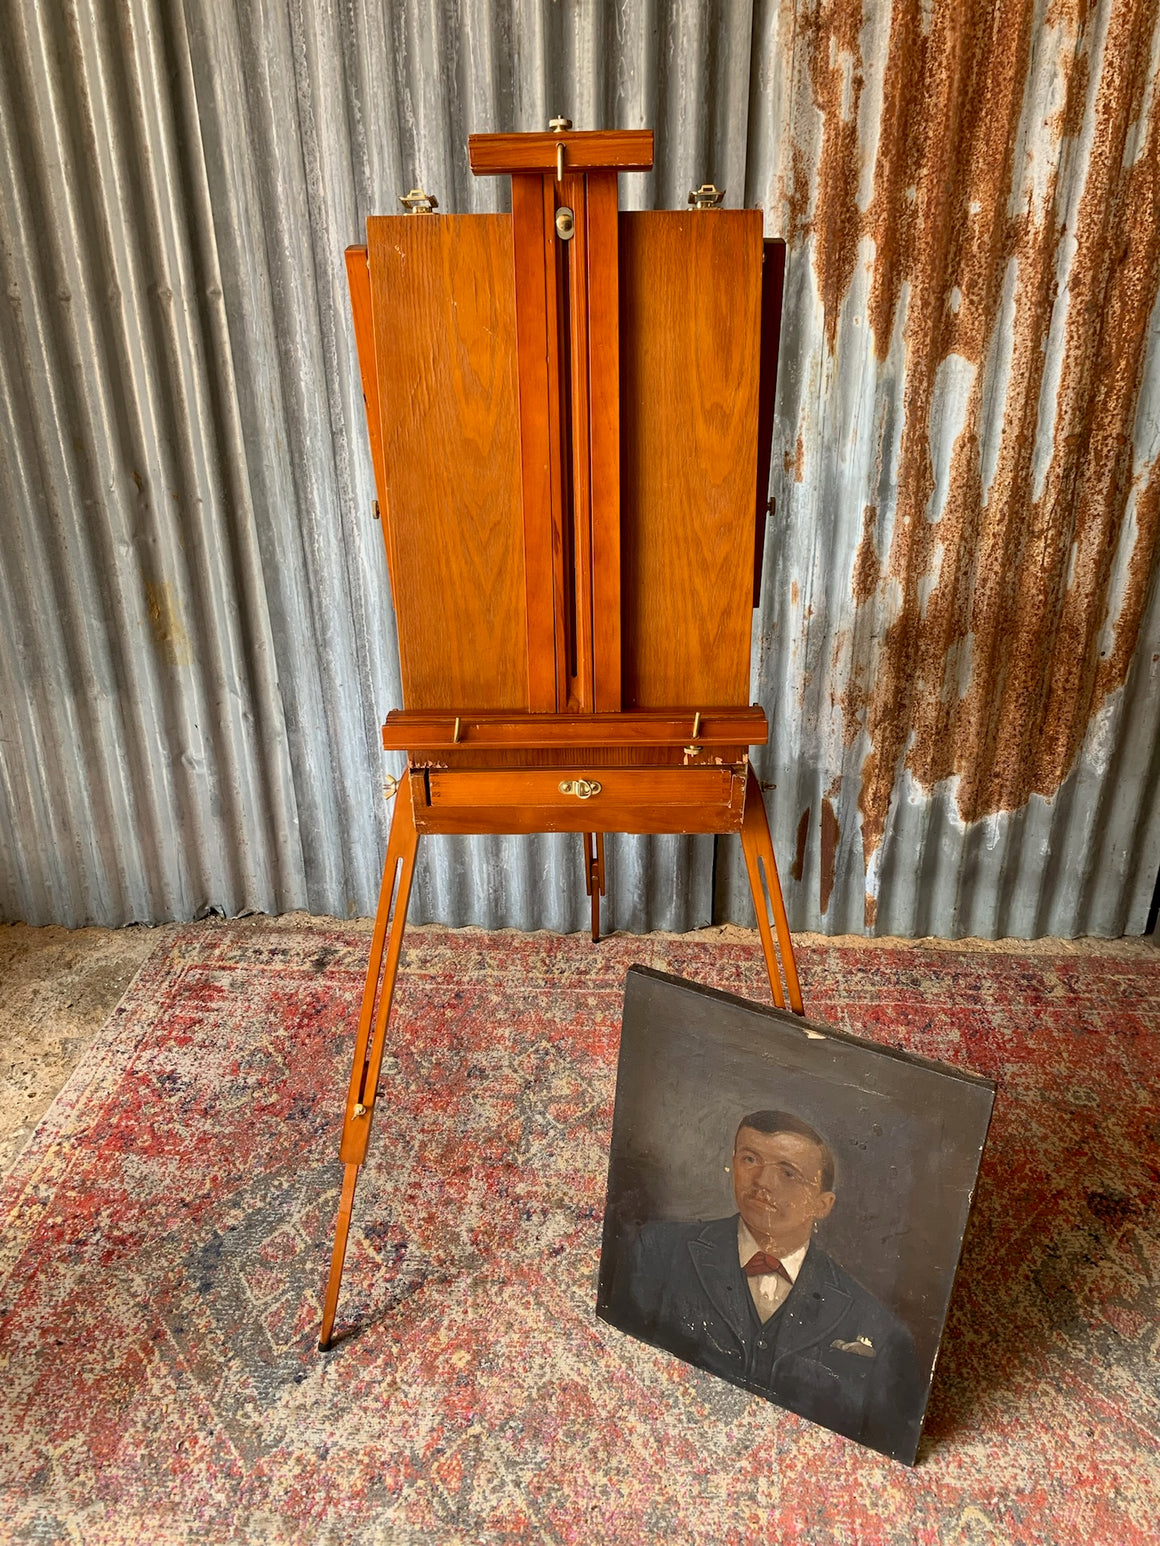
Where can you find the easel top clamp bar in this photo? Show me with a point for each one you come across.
(586, 150)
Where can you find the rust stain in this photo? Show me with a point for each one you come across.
(870, 911)
(169, 632)
(1011, 581)
(867, 568)
(828, 835)
(794, 593)
(797, 206)
(832, 36)
(797, 869)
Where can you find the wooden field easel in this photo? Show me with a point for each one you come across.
(570, 413)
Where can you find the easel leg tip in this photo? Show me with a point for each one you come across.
(324, 1347)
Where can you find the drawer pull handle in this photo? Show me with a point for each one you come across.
(580, 787)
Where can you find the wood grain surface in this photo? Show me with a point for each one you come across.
(656, 799)
(538, 368)
(690, 310)
(359, 277)
(604, 437)
(442, 292)
(710, 726)
(626, 150)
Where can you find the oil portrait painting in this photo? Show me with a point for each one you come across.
(786, 1205)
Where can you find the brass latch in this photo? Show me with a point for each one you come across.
(557, 126)
(706, 197)
(580, 787)
(694, 750)
(418, 203)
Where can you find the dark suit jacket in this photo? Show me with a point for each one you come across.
(682, 1288)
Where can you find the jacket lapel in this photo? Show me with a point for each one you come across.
(815, 1305)
(713, 1253)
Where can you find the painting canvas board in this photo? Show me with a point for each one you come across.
(786, 1204)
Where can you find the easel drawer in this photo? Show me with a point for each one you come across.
(661, 799)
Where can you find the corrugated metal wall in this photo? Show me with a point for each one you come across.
(959, 639)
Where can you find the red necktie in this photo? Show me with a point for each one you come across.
(757, 1265)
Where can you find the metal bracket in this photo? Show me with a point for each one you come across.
(706, 197)
(418, 203)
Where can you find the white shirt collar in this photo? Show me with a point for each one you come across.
(747, 1246)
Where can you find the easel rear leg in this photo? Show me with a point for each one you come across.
(757, 846)
(368, 1051)
(594, 876)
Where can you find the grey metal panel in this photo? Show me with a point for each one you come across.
(197, 641)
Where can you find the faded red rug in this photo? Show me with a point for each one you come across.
(166, 1235)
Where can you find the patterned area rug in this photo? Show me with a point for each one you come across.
(166, 1235)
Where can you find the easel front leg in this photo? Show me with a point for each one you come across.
(594, 876)
(757, 846)
(398, 873)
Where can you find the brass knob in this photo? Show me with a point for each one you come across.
(565, 223)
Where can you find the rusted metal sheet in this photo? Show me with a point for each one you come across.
(958, 641)
(970, 489)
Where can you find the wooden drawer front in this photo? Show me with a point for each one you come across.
(609, 800)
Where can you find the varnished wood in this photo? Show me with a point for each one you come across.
(359, 279)
(624, 150)
(594, 876)
(513, 800)
(761, 864)
(537, 370)
(337, 1257)
(603, 366)
(479, 758)
(442, 289)
(690, 292)
(565, 436)
(374, 1015)
(772, 285)
(717, 727)
(574, 195)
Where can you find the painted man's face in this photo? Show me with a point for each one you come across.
(778, 1187)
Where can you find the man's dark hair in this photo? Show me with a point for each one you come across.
(771, 1122)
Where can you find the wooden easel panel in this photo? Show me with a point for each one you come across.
(443, 302)
(690, 329)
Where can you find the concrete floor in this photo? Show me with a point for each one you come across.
(59, 986)
(57, 989)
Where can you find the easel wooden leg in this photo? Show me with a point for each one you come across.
(368, 1051)
(594, 876)
(758, 849)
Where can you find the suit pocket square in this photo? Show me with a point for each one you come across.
(861, 1347)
